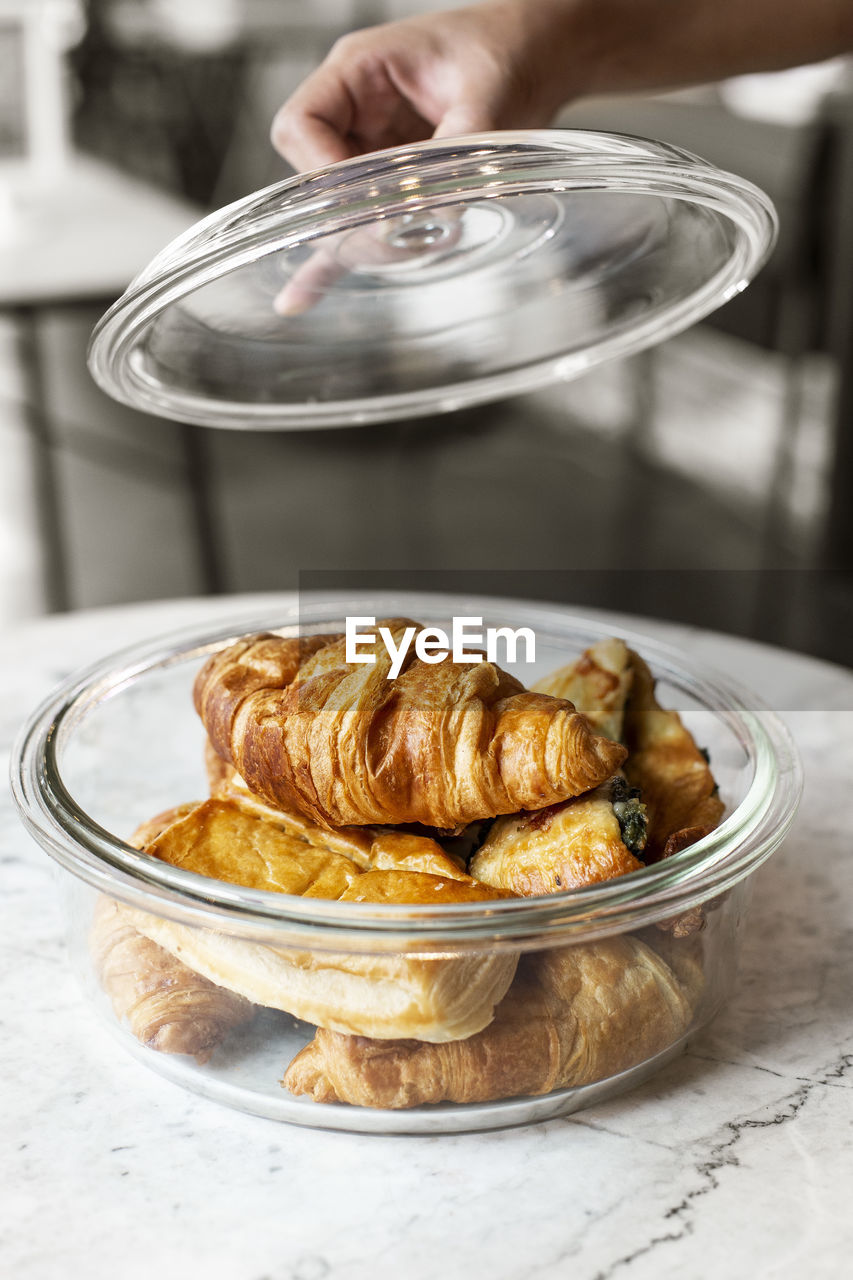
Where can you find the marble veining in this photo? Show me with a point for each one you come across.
(736, 1160)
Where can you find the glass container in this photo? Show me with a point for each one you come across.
(121, 742)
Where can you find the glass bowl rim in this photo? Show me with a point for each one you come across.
(746, 837)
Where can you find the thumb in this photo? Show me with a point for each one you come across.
(465, 117)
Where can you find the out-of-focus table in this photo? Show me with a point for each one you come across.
(82, 235)
(734, 1161)
(77, 237)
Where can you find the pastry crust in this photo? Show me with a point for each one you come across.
(226, 784)
(166, 1005)
(153, 827)
(368, 847)
(573, 1016)
(220, 839)
(580, 841)
(672, 774)
(424, 997)
(443, 744)
(598, 684)
(569, 845)
(254, 664)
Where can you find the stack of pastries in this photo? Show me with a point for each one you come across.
(450, 784)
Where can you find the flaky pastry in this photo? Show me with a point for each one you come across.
(572, 1016)
(424, 997)
(554, 850)
(220, 839)
(672, 774)
(442, 744)
(316, 769)
(592, 837)
(165, 1004)
(432, 997)
(380, 848)
(597, 684)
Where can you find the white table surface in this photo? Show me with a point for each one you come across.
(83, 234)
(735, 1161)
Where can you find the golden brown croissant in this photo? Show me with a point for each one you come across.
(554, 850)
(598, 685)
(254, 664)
(166, 1005)
(572, 1016)
(443, 744)
(672, 774)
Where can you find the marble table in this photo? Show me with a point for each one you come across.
(736, 1160)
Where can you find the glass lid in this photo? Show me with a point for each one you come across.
(426, 278)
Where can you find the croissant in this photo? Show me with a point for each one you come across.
(675, 779)
(444, 744)
(166, 1005)
(428, 996)
(253, 664)
(571, 1017)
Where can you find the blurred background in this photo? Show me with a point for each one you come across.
(708, 480)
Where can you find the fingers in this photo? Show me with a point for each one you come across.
(308, 144)
(396, 84)
(465, 118)
(313, 127)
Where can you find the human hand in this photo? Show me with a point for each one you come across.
(510, 64)
(443, 74)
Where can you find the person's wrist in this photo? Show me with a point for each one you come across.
(560, 43)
